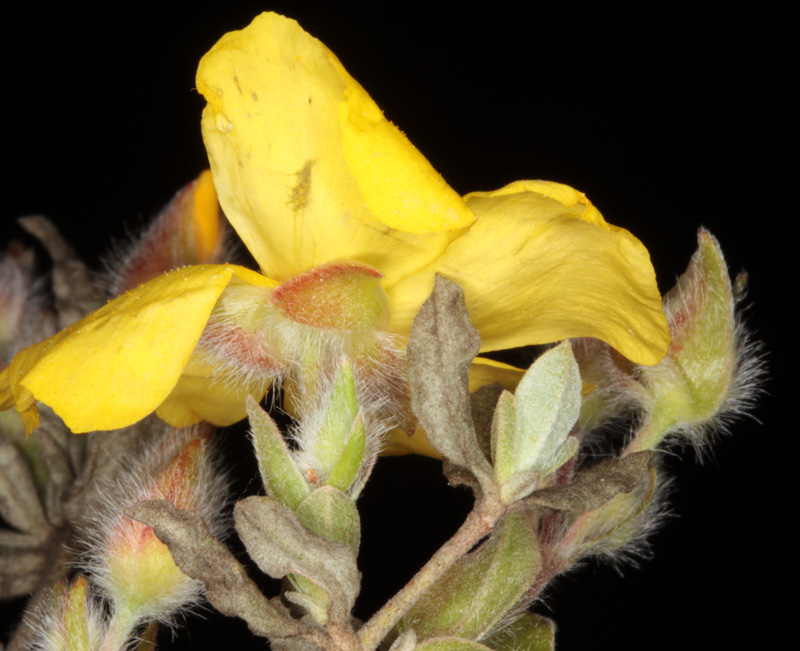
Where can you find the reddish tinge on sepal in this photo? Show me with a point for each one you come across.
(335, 296)
(130, 564)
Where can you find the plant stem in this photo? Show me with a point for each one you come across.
(652, 431)
(478, 524)
(119, 630)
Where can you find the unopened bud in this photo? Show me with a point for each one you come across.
(614, 529)
(335, 448)
(190, 230)
(132, 567)
(709, 371)
(69, 619)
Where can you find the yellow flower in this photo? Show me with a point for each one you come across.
(309, 172)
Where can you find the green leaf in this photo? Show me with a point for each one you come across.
(597, 485)
(519, 486)
(310, 597)
(442, 345)
(548, 401)
(281, 545)
(406, 641)
(505, 437)
(483, 403)
(20, 505)
(76, 626)
(337, 424)
(348, 467)
(530, 632)
(479, 589)
(332, 514)
(282, 478)
(201, 556)
(620, 520)
(450, 644)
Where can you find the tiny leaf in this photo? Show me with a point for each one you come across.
(479, 589)
(337, 424)
(483, 403)
(595, 486)
(281, 545)
(450, 644)
(281, 476)
(406, 641)
(201, 556)
(505, 438)
(19, 501)
(332, 514)
(76, 626)
(619, 520)
(548, 401)
(530, 632)
(348, 467)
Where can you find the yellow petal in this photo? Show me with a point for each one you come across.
(485, 371)
(307, 169)
(541, 264)
(195, 399)
(118, 364)
(205, 224)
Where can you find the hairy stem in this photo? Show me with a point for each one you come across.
(478, 524)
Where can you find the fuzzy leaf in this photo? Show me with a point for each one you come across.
(483, 403)
(21, 570)
(201, 556)
(505, 438)
(76, 294)
(19, 502)
(548, 402)
(442, 344)
(450, 644)
(406, 641)
(281, 476)
(530, 632)
(620, 520)
(278, 542)
(332, 514)
(479, 589)
(348, 467)
(76, 626)
(519, 486)
(340, 412)
(310, 597)
(595, 486)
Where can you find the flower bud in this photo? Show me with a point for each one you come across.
(709, 371)
(190, 230)
(336, 446)
(69, 619)
(132, 567)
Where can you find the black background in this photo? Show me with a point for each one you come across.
(667, 116)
